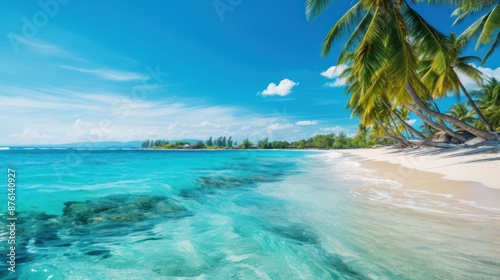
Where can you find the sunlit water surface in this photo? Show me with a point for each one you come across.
(235, 215)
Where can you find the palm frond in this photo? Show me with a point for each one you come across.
(474, 28)
(491, 25)
(357, 35)
(471, 72)
(315, 7)
(493, 47)
(341, 27)
(433, 44)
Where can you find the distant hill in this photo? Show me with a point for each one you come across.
(98, 145)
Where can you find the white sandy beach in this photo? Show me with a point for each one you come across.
(467, 173)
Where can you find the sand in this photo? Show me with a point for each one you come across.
(471, 174)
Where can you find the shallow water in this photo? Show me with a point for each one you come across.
(235, 215)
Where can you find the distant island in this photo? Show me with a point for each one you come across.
(321, 141)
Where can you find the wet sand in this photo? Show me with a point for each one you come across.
(469, 175)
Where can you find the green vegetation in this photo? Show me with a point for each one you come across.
(397, 63)
(322, 141)
(164, 144)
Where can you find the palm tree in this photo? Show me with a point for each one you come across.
(448, 80)
(462, 112)
(428, 130)
(384, 37)
(485, 28)
(362, 131)
(374, 113)
(489, 101)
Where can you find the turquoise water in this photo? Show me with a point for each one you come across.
(235, 215)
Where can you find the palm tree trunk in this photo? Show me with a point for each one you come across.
(394, 138)
(435, 125)
(396, 129)
(421, 104)
(407, 126)
(473, 105)
(440, 121)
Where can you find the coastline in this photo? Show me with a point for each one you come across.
(466, 174)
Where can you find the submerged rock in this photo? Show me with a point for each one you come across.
(222, 182)
(296, 233)
(120, 209)
(229, 182)
(84, 224)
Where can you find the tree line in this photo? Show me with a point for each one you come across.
(398, 64)
(221, 141)
(362, 139)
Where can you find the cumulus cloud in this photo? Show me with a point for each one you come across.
(279, 126)
(282, 89)
(489, 73)
(306, 123)
(333, 73)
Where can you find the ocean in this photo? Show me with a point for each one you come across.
(140, 214)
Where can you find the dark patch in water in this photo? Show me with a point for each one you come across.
(341, 268)
(120, 209)
(296, 233)
(85, 224)
(101, 252)
(222, 182)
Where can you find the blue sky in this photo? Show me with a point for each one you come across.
(127, 70)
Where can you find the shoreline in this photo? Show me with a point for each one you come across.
(466, 174)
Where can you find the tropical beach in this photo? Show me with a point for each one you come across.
(466, 174)
(304, 139)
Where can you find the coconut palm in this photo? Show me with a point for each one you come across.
(448, 80)
(486, 28)
(462, 112)
(384, 38)
(489, 101)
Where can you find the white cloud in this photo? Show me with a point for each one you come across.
(171, 126)
(43, 47)
(108, 74)
(340, 82)
(411, 121)
(306, 123)
(335, 129)
(29, 133)
(278, 126)
(470, 85)
(210, 124)
(70, 116)
(282, 89)
(490, 73)
(333, 73)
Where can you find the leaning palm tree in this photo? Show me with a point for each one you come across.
(384, 37)
(486, 28)
(462, 112)
(448, 80)
(489, 101)
(368, 101)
